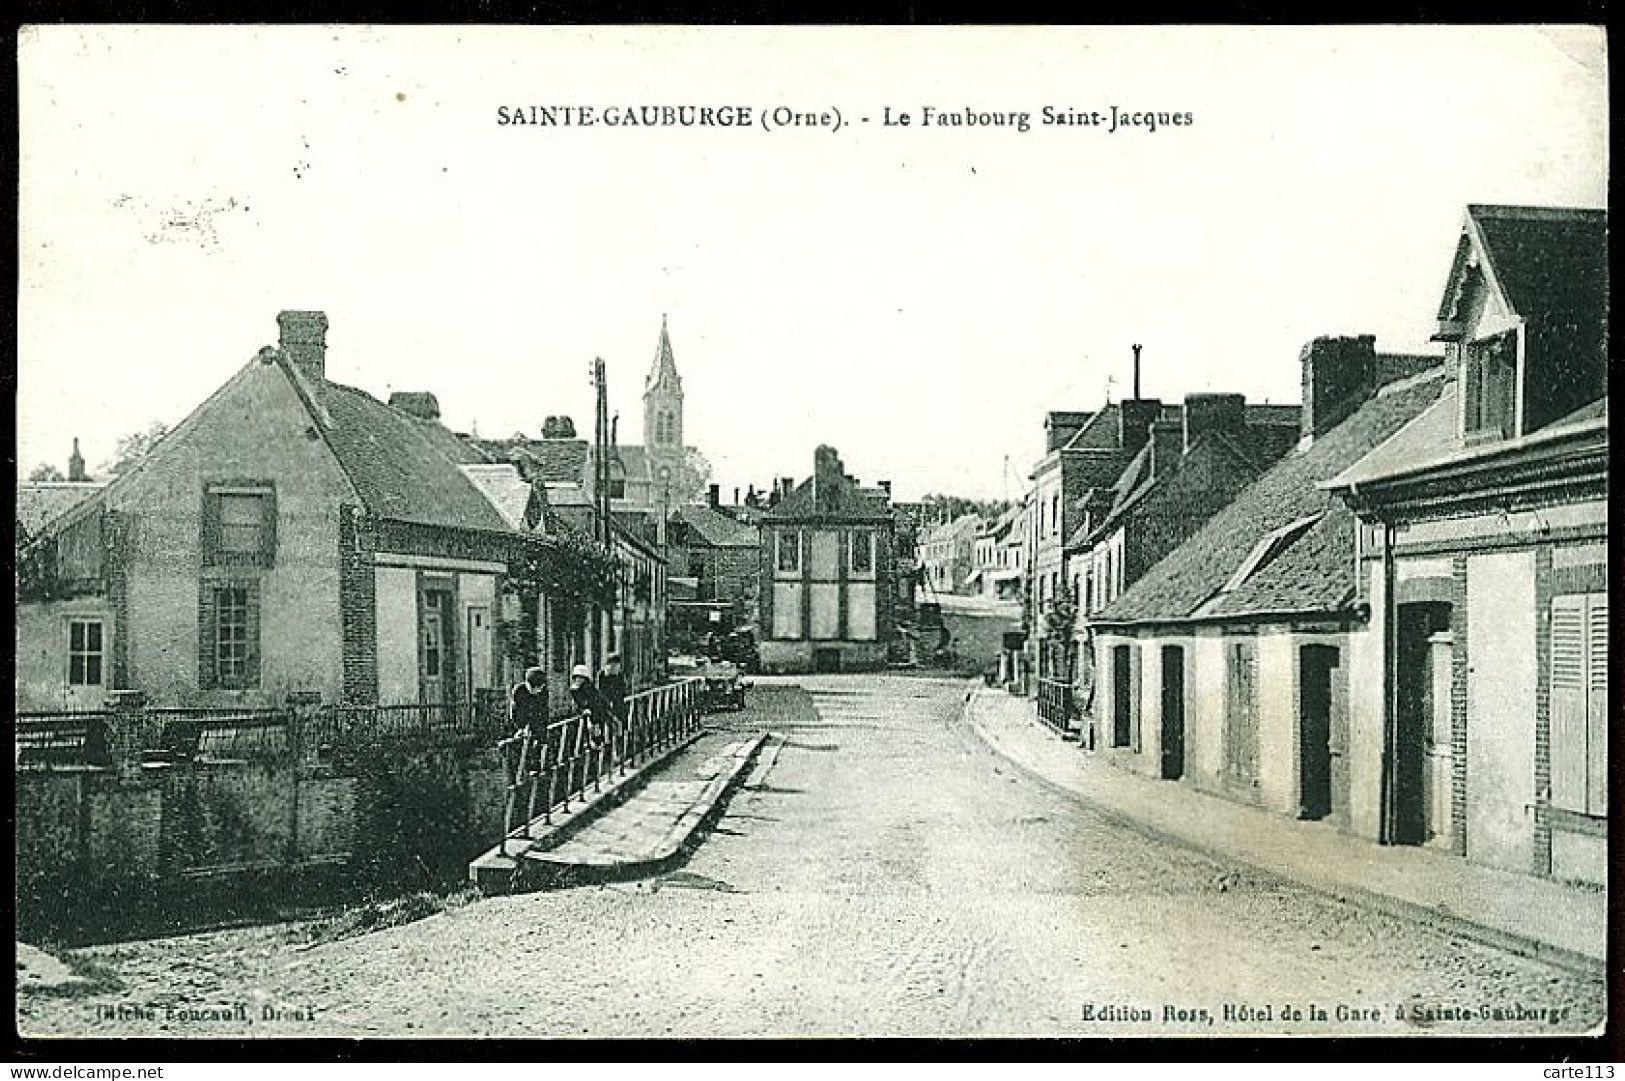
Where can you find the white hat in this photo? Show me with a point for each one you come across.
(581, 670)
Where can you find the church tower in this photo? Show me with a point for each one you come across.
(663, 404)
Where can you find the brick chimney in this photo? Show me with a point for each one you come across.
(416, 403)
(303, 340)
(1134, 419)
(1339, 374)
(1205, 413)
(1060, 427)
(885, 486)
(558, 428)
(76, 462)
(1167, 445)
(713, 495)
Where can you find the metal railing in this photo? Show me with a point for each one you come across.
(1057, 705)
(548, 771)
(116, 737)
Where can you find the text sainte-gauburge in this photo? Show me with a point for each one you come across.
(1109, 119)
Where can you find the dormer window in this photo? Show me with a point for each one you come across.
(1490, 388)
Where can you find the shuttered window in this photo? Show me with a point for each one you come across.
(1579, 703)
(1241, 710)
(239, 526)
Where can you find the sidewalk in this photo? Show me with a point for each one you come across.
(1536, 917)
(634, 827)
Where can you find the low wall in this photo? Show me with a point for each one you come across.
(99, 847)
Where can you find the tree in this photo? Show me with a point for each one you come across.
(45, 473)
(133, 447)
(35, 566)
(689, 480)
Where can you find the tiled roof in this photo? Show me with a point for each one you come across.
(1549, 261)
(399, 471)
(1311, 574)
(717, 529)
(39, 504)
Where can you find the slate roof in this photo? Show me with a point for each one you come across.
(41, 503)
(1550, 262)
(849, 503)
(717, 529)
(1315, 571)
(508, 492)
(1432, 440)
(400, 471)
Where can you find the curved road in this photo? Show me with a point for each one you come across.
(888, 875)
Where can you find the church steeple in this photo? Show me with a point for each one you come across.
(663, 398)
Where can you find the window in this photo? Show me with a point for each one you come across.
(1055, 514)
(229, 635)
(1491, 390)
(789, 550)
(863, 552)
(1579, 703)
(84, 652)
(239, 525)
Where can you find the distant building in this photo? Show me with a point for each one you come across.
(708, 543)
(948, 554)
(829, 589)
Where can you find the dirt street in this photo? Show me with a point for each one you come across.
(888, 876)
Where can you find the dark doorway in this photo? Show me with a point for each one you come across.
(1315, 666)
(1173, 712)
(1413, 719)
(1122, 700)
(826, 660)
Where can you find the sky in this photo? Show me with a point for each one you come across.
(917, 296)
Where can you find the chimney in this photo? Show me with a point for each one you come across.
(714, 495)
(416, 403)
(1339, 374)
(885, 486)
(76, 462)
(1134, 418)
(558, 428)
(736, 497)
(786, 486)
(1136, 349)
(1167, 444)
(1060, 427)
(303, 340)
(1205, 413)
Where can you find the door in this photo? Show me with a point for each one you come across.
(1315, 665)
(1122, 697)
(1173, 712)
(479, 648)
(1413, 720)
(435, 657)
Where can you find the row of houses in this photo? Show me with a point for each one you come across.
(1384, 608)
(297, 536)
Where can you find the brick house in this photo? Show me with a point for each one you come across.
(828, 576)
(1232, 662)
(1484, 557)
(720, 552)
(291, 535)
